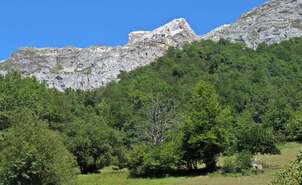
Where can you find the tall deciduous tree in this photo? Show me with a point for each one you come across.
(205, 131)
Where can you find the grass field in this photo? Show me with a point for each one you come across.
(272, 162)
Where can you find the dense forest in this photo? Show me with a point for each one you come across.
(175, 116)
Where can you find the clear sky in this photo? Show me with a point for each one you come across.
(82, 23)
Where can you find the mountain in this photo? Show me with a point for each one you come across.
(90, 68)
(96, 66)
(273, 22)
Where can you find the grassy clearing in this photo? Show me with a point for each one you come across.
(272, 163)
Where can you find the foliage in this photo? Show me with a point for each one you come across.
(239, 162)
(92, 142)
(292, 175)
(205, 134)
(146, 160)
(257, 93)
(32, 154)
(294, 127)
(261, 84)
(256, 139)
(17, 93)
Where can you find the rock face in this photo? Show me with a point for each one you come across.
(93, 67)
(273, 22)
(90, 68)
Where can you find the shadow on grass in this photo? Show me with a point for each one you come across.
(174, 173)
(190, 173)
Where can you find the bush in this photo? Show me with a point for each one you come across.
(256, 139)
(92, 142)
(154, 161)
(294, 128)
(237, 163)
(30, 154)
(291, 175)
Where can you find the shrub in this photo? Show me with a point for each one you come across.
(30, 154)
(256, 139)
(294, 128)
(243, 160)
(229, 164)
(92, 142)
(145, 160)
(237, 163)
(291, 175)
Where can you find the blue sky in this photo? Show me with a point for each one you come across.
(82, 23)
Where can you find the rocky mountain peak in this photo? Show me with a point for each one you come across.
(273, 22)
(166, 32)
(90, 68)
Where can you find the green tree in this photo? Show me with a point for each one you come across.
(294, 127)
(277, 116)
(31, 154)
(256, 139)
(92, 142)
(205, 133)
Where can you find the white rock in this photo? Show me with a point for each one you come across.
(273, 22)
(93, 67)
(90, 68)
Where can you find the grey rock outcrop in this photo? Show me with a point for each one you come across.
(93, 67)
(273, 22)
(90, 68)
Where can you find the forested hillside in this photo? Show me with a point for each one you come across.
(194, 104)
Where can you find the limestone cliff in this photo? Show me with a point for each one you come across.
(93, 67)
(275, 21)
(90, 68)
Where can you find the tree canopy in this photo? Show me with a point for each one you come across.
(191, 105)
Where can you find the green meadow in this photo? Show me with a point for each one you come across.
(272, 164)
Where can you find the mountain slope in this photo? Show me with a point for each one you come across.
(273, 22)
(93, 67)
